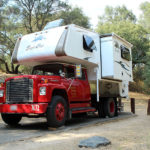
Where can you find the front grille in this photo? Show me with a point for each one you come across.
(19, 90)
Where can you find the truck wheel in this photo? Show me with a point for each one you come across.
(110, 107)
(101, 112)
(57, 112)
(11, 119)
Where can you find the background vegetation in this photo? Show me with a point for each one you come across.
(19, 17)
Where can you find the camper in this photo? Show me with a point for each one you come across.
(75, 71)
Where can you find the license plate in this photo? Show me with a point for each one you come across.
(13, 107)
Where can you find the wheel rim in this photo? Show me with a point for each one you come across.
(60, 111)
(112, 107)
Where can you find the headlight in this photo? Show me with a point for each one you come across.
(42, 91)
(1, 93)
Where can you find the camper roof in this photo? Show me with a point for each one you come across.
(115, 35)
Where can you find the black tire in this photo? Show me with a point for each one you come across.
(110, 107)
(116, 108)
(11, 119)
(56, 117)
(101, 112)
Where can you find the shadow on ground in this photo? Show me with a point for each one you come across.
(37, 127)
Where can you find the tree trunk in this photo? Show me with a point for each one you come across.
(7, 68)
(17, 69)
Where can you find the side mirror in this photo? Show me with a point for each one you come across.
(62, 75)
(2, 82)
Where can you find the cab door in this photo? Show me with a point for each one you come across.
(77, 88)
(71, 84)
(83, 86)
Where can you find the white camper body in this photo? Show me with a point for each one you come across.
(106, 57)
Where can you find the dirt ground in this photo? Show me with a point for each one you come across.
(128, 134)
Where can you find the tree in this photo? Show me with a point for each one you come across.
(145, 22)
(7, 39)
(74, 16)
(145, 17)
(119, 13)
(34, 14)
(146, 73)
(2, 5)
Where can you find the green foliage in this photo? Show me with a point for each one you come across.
(145, 22)
(145, 17)
(25, 69)
(75, 16)
(119, 13)
(8, 36)
(147, 74)
(34, 14)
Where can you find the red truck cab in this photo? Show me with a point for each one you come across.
(53, 90)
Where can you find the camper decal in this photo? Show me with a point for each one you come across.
(38, 38)
(124, 66)
(38, 42)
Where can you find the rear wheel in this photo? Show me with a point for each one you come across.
(57, 112)
(101, 112)
(110, 107)
(11, 119)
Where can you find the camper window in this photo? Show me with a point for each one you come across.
(88, 43)
(125, 53)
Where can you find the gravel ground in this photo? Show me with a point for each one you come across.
(128, 134)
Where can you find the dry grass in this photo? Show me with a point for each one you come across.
(4, 75)
(139, 96)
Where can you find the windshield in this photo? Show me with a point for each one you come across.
(50, 69)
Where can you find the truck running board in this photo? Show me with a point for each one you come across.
(82, 109)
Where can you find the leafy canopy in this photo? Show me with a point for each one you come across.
(119, 13)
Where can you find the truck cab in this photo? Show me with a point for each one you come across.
(53, 90)
(76, 88)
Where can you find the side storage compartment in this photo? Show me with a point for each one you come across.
(107, 88)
